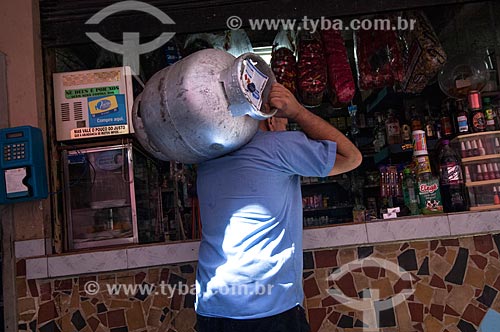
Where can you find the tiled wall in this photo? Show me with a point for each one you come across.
(449, 286)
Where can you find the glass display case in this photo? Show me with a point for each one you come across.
(111, 196)
(480, 154)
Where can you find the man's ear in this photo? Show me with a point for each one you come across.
(265, 125)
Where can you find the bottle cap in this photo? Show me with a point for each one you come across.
(474, 144)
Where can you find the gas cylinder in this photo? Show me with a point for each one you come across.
(203, 106)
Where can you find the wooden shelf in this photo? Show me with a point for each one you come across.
(316, 183)
(484, 207)
(477, 158)
(481, 183)
(329, 208)
(461, 137)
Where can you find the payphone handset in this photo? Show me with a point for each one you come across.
(23, 172)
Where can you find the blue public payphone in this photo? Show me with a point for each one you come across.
(22, 163)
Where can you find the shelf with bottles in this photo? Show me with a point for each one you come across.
(485, 197)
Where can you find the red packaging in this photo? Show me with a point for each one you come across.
(312, 77)
(378, 58)
(340, 78)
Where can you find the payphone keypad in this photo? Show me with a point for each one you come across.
(14, 151)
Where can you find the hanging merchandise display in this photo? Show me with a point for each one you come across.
(378, 57)
(340, 80)
(283, 61)
(424, 56)
(312, 76)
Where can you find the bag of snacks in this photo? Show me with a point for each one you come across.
(312, 77)
(378, 58)
(283, 61)
(340, 80)
(424, 57)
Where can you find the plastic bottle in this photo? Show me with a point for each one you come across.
(410, 194)
(453, 188)
(429, 194)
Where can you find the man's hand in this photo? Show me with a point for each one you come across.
(282, 99)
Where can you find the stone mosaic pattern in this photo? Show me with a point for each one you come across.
(448, 286)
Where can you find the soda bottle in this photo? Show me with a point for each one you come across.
(453, 188)
(410, 194)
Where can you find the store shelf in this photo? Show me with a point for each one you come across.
(484, 207)
(329, 208)
(317, 183)
(482, 183)
(477, 134)
(478, 158)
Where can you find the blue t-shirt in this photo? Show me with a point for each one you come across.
(250, 258)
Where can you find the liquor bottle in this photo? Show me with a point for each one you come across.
(429, 128)
(462, 119)
(392, 128)
(477, 120)
(489, 114)
(429, 195)
(410, 194)
(453, 188)
(406, 133)
(445, 120)
(415, 121)
(379, 134)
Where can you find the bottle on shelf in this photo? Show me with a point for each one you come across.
(392, 128)
(410, 193)
(429, 128)
(477, 119)
(415, 121)
(406, 133)
(379, 133)
(462, 119)
(490, 115)
(429, 193)
(452, 183)
(445, 120)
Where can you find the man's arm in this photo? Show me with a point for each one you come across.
(348, 156)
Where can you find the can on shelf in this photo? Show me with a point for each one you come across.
(419, 143)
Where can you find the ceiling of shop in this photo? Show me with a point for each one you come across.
(63, 21)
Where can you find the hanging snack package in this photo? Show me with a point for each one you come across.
(340, 79)
(423, 54)
(378, 58)
(312, 77)
(283, 61)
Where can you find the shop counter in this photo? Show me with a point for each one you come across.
(345, 235)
